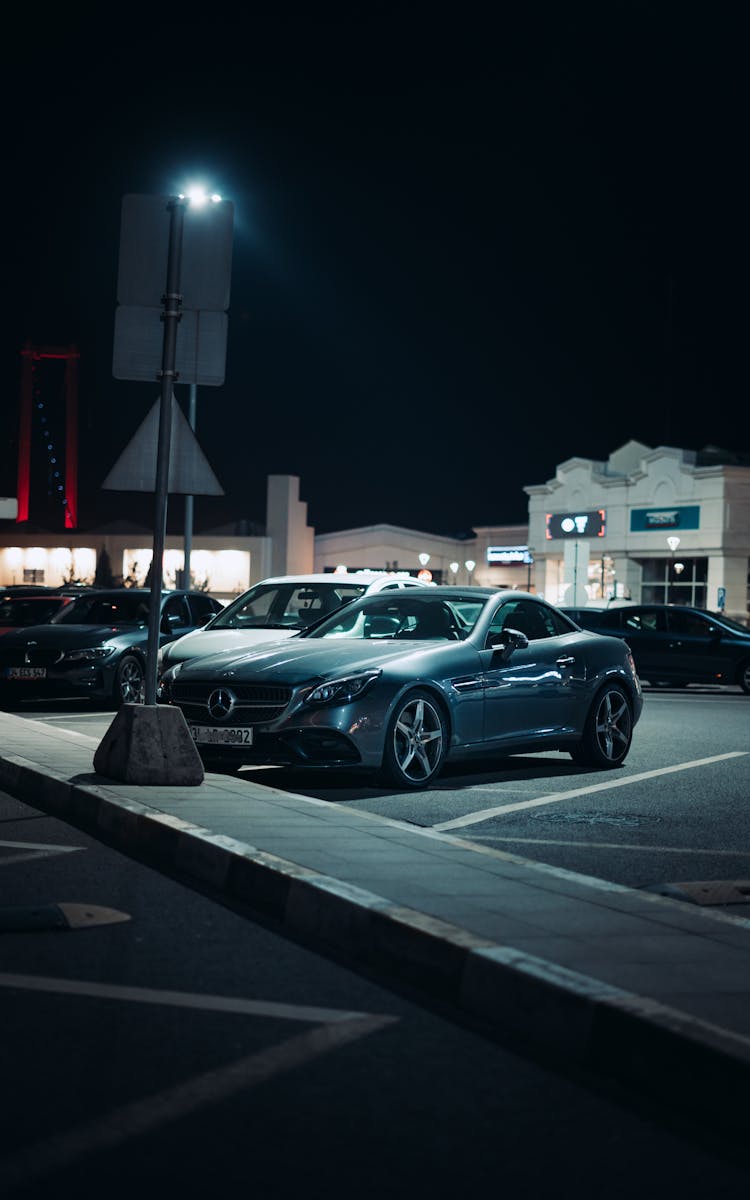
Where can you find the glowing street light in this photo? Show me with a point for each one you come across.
(424, 559)
(470, 565)
(454, 570)
(196, 197)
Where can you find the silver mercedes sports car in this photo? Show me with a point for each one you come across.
(399, 683)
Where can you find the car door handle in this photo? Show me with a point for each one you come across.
(472, 684)
(565, 661)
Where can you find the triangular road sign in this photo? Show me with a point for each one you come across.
(189, 471)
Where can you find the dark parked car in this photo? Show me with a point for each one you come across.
(675, 644)
(96, 645)
(37, 608)
(401, 682)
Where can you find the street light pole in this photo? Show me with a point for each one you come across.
(172, 301)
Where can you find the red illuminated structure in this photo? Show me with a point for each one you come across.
(32, 355)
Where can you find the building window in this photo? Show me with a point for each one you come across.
(33, 575)
(677, 580)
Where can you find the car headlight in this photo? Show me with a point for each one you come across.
(88, 654)
(165, 681)
(171, 673)
(342, 691)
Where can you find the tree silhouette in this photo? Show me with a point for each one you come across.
(103, 576)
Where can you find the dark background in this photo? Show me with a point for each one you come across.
(469, 243)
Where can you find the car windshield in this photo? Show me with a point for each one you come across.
(29, 611)
(105, 610)
(405, 615)
(286, 605)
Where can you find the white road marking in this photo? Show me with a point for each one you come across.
(195, 1000)
(42, 846)
(498, 837)
(211, 1087)
(34, 850)
(555, 797)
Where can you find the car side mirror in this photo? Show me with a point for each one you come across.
(508, 640)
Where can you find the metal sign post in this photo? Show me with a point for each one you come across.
(151, 743)
(172, 301)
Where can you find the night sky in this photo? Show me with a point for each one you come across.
(469, 242)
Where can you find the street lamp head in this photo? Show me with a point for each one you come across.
(454, 568)
(198, 197)
(424, 559)
(673, 542)
(470, 564)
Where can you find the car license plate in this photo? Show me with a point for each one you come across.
(26, 673)
(209, 735)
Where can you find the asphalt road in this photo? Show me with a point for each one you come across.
(187, 1051)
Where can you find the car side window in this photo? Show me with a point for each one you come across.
(527, 617)
(175, 614)
(689, 624)
(557, 623)
(201, 608)
(643, 620)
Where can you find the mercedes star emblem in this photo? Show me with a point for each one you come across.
(220, 703)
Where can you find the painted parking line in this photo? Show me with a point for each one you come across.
(193, 1000)
(212, 1087)
(528, 841)
(25, 851)
(486, 814)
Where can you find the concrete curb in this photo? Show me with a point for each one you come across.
(529, 1004)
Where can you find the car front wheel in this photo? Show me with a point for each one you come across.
(608, 731)
(129, 682)
(416, 741)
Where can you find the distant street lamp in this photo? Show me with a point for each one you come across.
(454, 570)
(673, 542)
(424, 559)
(470, 565)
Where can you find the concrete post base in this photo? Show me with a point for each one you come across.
(149, 744)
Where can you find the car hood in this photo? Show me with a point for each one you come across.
(211, 641)
(305, 659)
(71, 635)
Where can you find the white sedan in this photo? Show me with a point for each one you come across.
(277, 608)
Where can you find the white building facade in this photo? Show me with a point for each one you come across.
(651, 525)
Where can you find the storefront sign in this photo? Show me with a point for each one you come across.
(576, 525)
(508, 555)
(686, 516)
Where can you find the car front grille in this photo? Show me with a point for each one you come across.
(255, 704)
(29, 656)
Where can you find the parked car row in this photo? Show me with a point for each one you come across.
(676, 644)
(379, 673)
